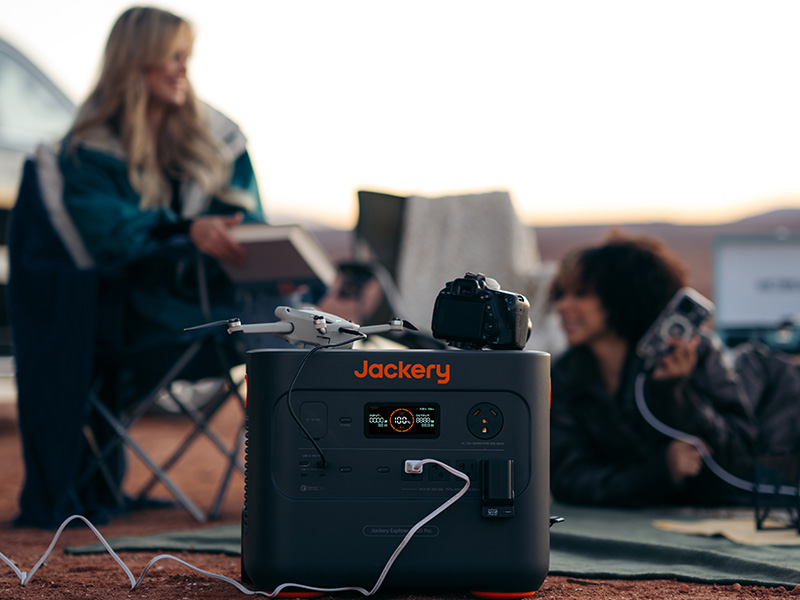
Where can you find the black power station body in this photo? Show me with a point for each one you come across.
(485, 413)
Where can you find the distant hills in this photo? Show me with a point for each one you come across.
(692, 243)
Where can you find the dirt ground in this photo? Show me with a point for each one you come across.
(95, 577)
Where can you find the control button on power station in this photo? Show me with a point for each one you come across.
(484, 421)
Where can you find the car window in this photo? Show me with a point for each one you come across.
(29, 111)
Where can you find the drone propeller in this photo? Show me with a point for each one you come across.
(213, 324)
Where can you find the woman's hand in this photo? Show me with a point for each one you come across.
(210, 235)
(681, 360)
(683, 460)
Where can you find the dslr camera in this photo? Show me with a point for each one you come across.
(473, 312)
(680, 319)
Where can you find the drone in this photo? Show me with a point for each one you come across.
(303, 327)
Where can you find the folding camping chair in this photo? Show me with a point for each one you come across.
(414, 245)
(121, 368)
(376, 253)
(73, 412)
(777, 472)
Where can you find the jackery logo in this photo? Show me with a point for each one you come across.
(403, 370)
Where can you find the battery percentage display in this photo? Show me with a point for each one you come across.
(391, 420)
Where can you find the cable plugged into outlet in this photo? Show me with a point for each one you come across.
(438, 471)
(411, 466)
(414, 467)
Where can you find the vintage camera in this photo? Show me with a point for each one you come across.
(473, 312)
(680, 319)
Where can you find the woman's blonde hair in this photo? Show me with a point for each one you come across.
(143, 38)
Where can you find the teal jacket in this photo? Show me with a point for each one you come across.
(104, 207)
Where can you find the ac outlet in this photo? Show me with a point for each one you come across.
(437, 473)
(485, 421)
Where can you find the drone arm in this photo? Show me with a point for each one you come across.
(278, 327)
(393, 325)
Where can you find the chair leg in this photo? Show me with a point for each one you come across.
(201, 420)
(100, 463)
(200, 427)
(123, 423)
(123, 433)
(233, 461)
(226, 478)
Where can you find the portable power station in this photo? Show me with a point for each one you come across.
(334, 520)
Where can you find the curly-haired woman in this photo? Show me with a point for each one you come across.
(603, 452)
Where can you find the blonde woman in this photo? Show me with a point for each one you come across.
(146, 161)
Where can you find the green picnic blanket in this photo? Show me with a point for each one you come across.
(593, 543)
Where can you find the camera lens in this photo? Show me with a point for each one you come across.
(676, 330)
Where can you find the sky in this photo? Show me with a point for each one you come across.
(586, 112)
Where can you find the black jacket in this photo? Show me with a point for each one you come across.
(603, 452)
(772, 380)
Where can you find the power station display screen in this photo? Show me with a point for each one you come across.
(402, 420)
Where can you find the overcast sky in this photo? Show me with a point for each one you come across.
(585, 111)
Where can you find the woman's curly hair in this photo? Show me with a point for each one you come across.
(634, 276)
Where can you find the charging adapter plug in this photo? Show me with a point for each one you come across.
(414, 466)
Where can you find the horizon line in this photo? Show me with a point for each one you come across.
(285, 217)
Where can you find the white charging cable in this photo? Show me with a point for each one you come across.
(411, 466)
(714, 466)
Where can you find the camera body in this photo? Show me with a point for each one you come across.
(680, 319)
(473, 312)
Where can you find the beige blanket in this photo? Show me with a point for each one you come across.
(739, 530)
